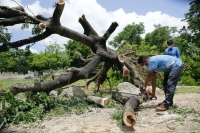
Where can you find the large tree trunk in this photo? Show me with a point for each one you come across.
(129, 117)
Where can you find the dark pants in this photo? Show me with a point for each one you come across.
(170, 81)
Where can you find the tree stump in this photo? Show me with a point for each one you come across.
(129, 117)
(98, 100)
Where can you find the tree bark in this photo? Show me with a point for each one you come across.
(52, 25)
(98, 100)
(129, 117)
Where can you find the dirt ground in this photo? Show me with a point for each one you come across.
(98, 120)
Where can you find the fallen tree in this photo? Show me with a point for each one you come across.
(97, 44)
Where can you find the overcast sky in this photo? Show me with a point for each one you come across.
(100, 14)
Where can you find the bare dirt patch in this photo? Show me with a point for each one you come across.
(98, 120)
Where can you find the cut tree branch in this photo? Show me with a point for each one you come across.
(58, 12)
(13, 20)
(20, 43)
(110, 30)
(88, 30)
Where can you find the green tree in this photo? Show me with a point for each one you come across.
(159, 36)
(7, 63)
(131, 34)
(15, 60)
(4, 35)
(53, 58)
(71, 48)
(193, 19)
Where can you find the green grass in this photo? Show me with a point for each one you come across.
(188, 90)
(82, 82)
(9, 82)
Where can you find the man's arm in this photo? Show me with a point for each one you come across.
(148, 78)
(154, 85)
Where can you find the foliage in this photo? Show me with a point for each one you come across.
(15, 60)
(184, 111)
(71, 48)
(114, 104)
(4, 35)
(7, 63)
(159, 36)
(119, 117)
(188, 90)
(196, 120)
(52, 59)
(34, 107)
(131, 34)
(35, 29)
(192, 18)
(115, 76)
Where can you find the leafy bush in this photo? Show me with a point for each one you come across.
(35, 107)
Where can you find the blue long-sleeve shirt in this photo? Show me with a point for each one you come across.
(174, 51)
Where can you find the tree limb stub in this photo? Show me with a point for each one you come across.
(125, 71)
(58, 11)
(110, 30)
(88, 30)
(98, 100)
(61, 2)
(129, 116)
(121, 58)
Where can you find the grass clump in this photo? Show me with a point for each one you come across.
(118, 116)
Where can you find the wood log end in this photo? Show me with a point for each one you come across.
(104, 102)
(126, 71)
(121, 58)
(42, 26)
(61, 2)
(129, 119)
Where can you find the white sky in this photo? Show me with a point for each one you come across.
(99, 18)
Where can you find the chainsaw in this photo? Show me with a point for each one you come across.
(143, 96)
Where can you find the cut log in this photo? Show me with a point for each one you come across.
(129, 117)
(98, 100)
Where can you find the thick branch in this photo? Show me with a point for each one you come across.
(58, 11)
(110, 30)
(102, 75)
(13, 20)
(91, 80)
(20, 43)
(76, 36)
(88, 30)
(59, 82)
(18, 13)
(134, 73)
(82, 59)
(5, 13)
